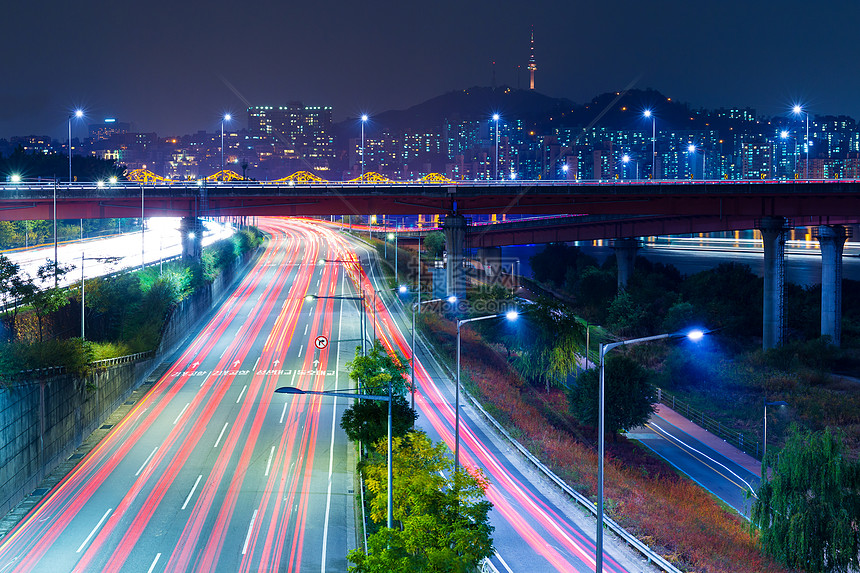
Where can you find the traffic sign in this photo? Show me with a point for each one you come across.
(321, 342)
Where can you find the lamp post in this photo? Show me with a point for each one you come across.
(362, 320)
(694, 335)
(784, 135)
(496, 171)
(692, 150)
(649, 115)
(363, 121)
(764, 440)
(77, 115)
(510, 315)
(390, 237)
(797, 109)
(353, 394)
(227, 117)
(417, 307)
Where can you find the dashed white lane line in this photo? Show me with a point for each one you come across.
(154, 561)
(242, 393)
(269, 463)
(190, 493)
(221, 435)
(180, 413)
(250, 529)
(143, 465)
(93, 532)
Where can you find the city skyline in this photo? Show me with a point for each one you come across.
(179, 68)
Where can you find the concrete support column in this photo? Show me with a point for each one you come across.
(832, 240)
(491, 259)
(191, 230)
(773, 235)
(625, 255)
(455, 239)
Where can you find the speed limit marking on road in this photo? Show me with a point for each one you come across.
(321, 342)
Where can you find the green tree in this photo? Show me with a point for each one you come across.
(551, 341)
(628, 393)
(49, 299)
(367, 420)
(442, 523)
(807, 511)
(434, 244)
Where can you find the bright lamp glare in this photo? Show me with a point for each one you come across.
(452, 299)
(16, 178)
(321, 262)
(112, 180)
(390, 236)
(626, 159)
(495, 117)
(695, 335)
(402, 289)
(227, 117)
(100, 184)
(797, 109)
(783, 134)
(647, 113)
(79, 113)
(691, 148)
(309, 298)
(364, 117)
(512, 315)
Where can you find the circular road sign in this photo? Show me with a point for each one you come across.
(321, 342)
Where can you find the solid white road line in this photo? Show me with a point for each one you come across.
(154, 561)
(190, 493)
(269, 463)
(250, 529)
(502, 561)
(180, 413)
(93, 532)
(242, 393)
(221, 435)
(146, 461)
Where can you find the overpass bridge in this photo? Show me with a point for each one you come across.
(620, 210)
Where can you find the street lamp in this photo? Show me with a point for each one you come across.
(416, 306)
(510, 315)
(692, 150)
(77, 115)
(648, 115)
(362, 320)
(496, 172)
(694, 335)
(785, 135)
(363, 121)
(797, 110)
(764, 441)
(354, 394)
(227, 117)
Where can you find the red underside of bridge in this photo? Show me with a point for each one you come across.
(653, 209)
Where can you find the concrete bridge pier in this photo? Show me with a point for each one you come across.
(454, 227)
(773, 235)
(625, 255)
(491, 259)
(831, 239)
(191, 231)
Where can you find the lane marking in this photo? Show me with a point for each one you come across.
(306, 329)
(180, 413)
(331, 447)
(250, 529)
(502, 561)
(93, 532)
(256, 362)
(154, 561)
(146, 461)
(302, 349)
(221, 435)
(269, 463)
(283, 412)
(242, 393)
(190, 493)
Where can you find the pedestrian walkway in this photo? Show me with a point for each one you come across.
(719, 445)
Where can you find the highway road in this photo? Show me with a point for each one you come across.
(212, 471)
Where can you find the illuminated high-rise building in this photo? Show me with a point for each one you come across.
(305, 131)
(532, 64)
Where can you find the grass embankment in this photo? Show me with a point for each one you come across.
(670, 513)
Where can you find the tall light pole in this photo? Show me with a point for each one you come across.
(354, 394)
(77, 115)
(692, 149)
(227, 117)
(417, 307)
(764, 440)
(649, 115)
(496, 172)
(362, 320)
(797, 110)
(694, 335)
(363, 121)
(510, 315)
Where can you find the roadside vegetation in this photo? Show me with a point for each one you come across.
(125, 313)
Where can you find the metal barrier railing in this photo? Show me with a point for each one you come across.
(750, 445)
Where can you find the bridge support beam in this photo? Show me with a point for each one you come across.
(455, 240)
(491, 260)
(191, 231)
(831, 239)
(625, 256)
(773, 312)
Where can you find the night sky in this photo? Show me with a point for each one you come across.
(176, 67)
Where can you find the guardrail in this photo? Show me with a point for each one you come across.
(104, 363)
(747, 444)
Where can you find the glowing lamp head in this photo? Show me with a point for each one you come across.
(100, 184)
(513, 175)
(227, 117)
(495, 117)
(647, 113)
(451, 299)
(696, 335)
(79, 113)
(112, 180)
(321, 262)
(512, 315)
(691, 148)
(16, 178)
(626, 158)
(402, 289)
(783, 134)
(797, 110)
(364, 117)
(390, 236)
(565, 168)
(309, 298)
